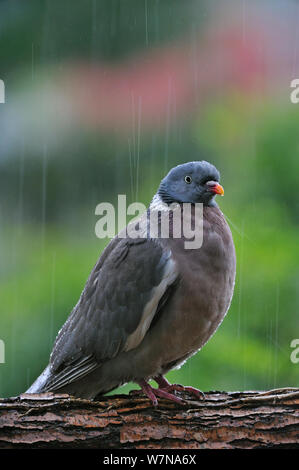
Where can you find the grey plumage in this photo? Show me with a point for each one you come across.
(149, 303)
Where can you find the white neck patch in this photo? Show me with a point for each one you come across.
(158, 205)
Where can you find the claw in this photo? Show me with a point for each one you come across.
(165, 385)
(152, 393)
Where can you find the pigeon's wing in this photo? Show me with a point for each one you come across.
(115, 310)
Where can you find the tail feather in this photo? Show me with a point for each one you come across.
(41, 382)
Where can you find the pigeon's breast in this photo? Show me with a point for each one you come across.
(205, 287)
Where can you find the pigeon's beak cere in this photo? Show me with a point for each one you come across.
(215, 187)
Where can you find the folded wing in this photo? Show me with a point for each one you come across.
(115, 310)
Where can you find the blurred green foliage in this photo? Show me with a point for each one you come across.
(44, 267)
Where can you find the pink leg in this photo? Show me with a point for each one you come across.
(165, 385)
(152, 393)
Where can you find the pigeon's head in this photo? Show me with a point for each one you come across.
(191, 182)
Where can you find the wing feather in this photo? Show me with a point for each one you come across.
(115, 310)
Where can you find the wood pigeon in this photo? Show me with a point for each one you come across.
(149, 303)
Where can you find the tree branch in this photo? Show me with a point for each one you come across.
(223, 420)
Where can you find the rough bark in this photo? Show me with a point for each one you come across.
(223, 420)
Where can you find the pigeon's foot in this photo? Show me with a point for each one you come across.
(152, 393)
(165, 385)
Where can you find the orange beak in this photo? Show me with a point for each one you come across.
(216, 188)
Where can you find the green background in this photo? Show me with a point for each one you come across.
(50, 184)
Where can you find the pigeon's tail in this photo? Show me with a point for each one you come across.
(41, 382)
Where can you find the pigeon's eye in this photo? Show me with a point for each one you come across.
(188, 179)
